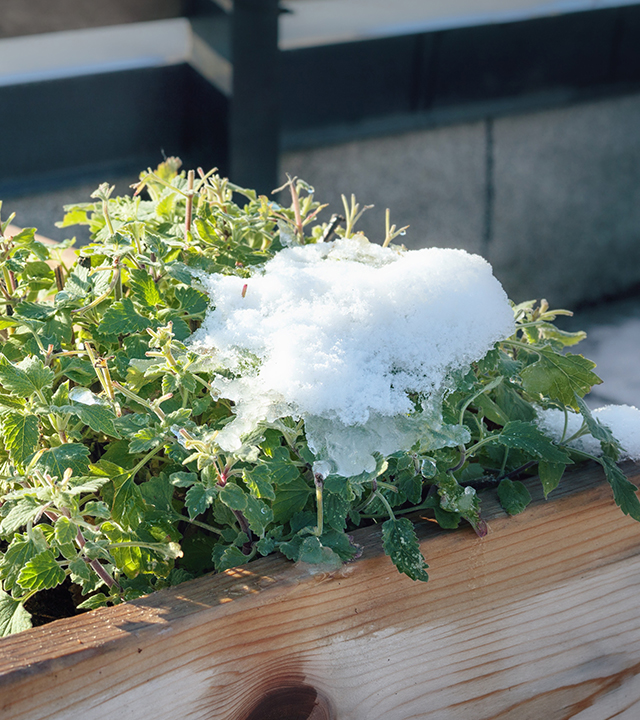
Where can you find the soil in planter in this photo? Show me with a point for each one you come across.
(49, 605)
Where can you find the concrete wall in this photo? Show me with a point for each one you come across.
(551, 199)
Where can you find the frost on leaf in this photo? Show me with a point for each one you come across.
(358, 340)
(401, 545)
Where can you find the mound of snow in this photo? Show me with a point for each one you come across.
(622, 420)
(347, 335)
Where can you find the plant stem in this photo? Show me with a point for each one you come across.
(479, 444)
(204, 526)
(141, 401)
(489, 386)
(461, 461)
(112, 285)
(133, 472)
(319, 483)
(105, 212)
(95, 564)
(385, 502)
(189, 205)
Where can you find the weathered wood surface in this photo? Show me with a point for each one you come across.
(539, 619)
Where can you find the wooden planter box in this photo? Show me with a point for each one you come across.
(539, 619)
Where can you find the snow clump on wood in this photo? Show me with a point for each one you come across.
(358, 340)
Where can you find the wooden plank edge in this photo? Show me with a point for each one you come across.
(268, 580)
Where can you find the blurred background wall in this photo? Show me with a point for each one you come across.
(510, 128)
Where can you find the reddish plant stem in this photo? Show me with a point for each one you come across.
(189, 208)
(97, 567)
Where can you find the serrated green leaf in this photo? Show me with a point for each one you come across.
(11, 402)
(335, 510)
(20, 513)
(257, 479)
(20, 551)
(281, 468)
(447, 520)
(35, 311)
(513, 495)
(26, 377)
(158, 491)
(145, 440)
(71, 455)
(97, 509)
(400, 543)
(265, 546)
(624, 492)
(39, 375)
(258, 514)
(198, 499)
(130, 559)
(187, 381)
(291, 549)
(41, 572)
(410, 486)
(559, 377)
(491, 410)
(61, 396)
(305, 519)
(180, 272)
(128, 504)
(183, 479)
(21, 435)
(233, 497)
(122, 319)
(562, 337)
(94, 602)
(314, 552)
(65, 532)
(99, 418)
(228, 557)
(76, 369)
(79, 485)
(550, 475)
(177, 417)
(191, 301)
(129, 425)
(81, 574)
(513, 406)
(76, 287)
(290, 499)
(341, 544)
(143, 288)
(610, 446)
(13, 617)
(526, 436)
(39, 271)
(457, 499)
(343, 486)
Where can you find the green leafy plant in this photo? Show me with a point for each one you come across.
(112, 482)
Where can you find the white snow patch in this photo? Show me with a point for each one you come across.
(340, 333)
(622, 420)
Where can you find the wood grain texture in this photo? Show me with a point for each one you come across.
(539, 619)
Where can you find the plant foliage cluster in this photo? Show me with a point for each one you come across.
(111, 482)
